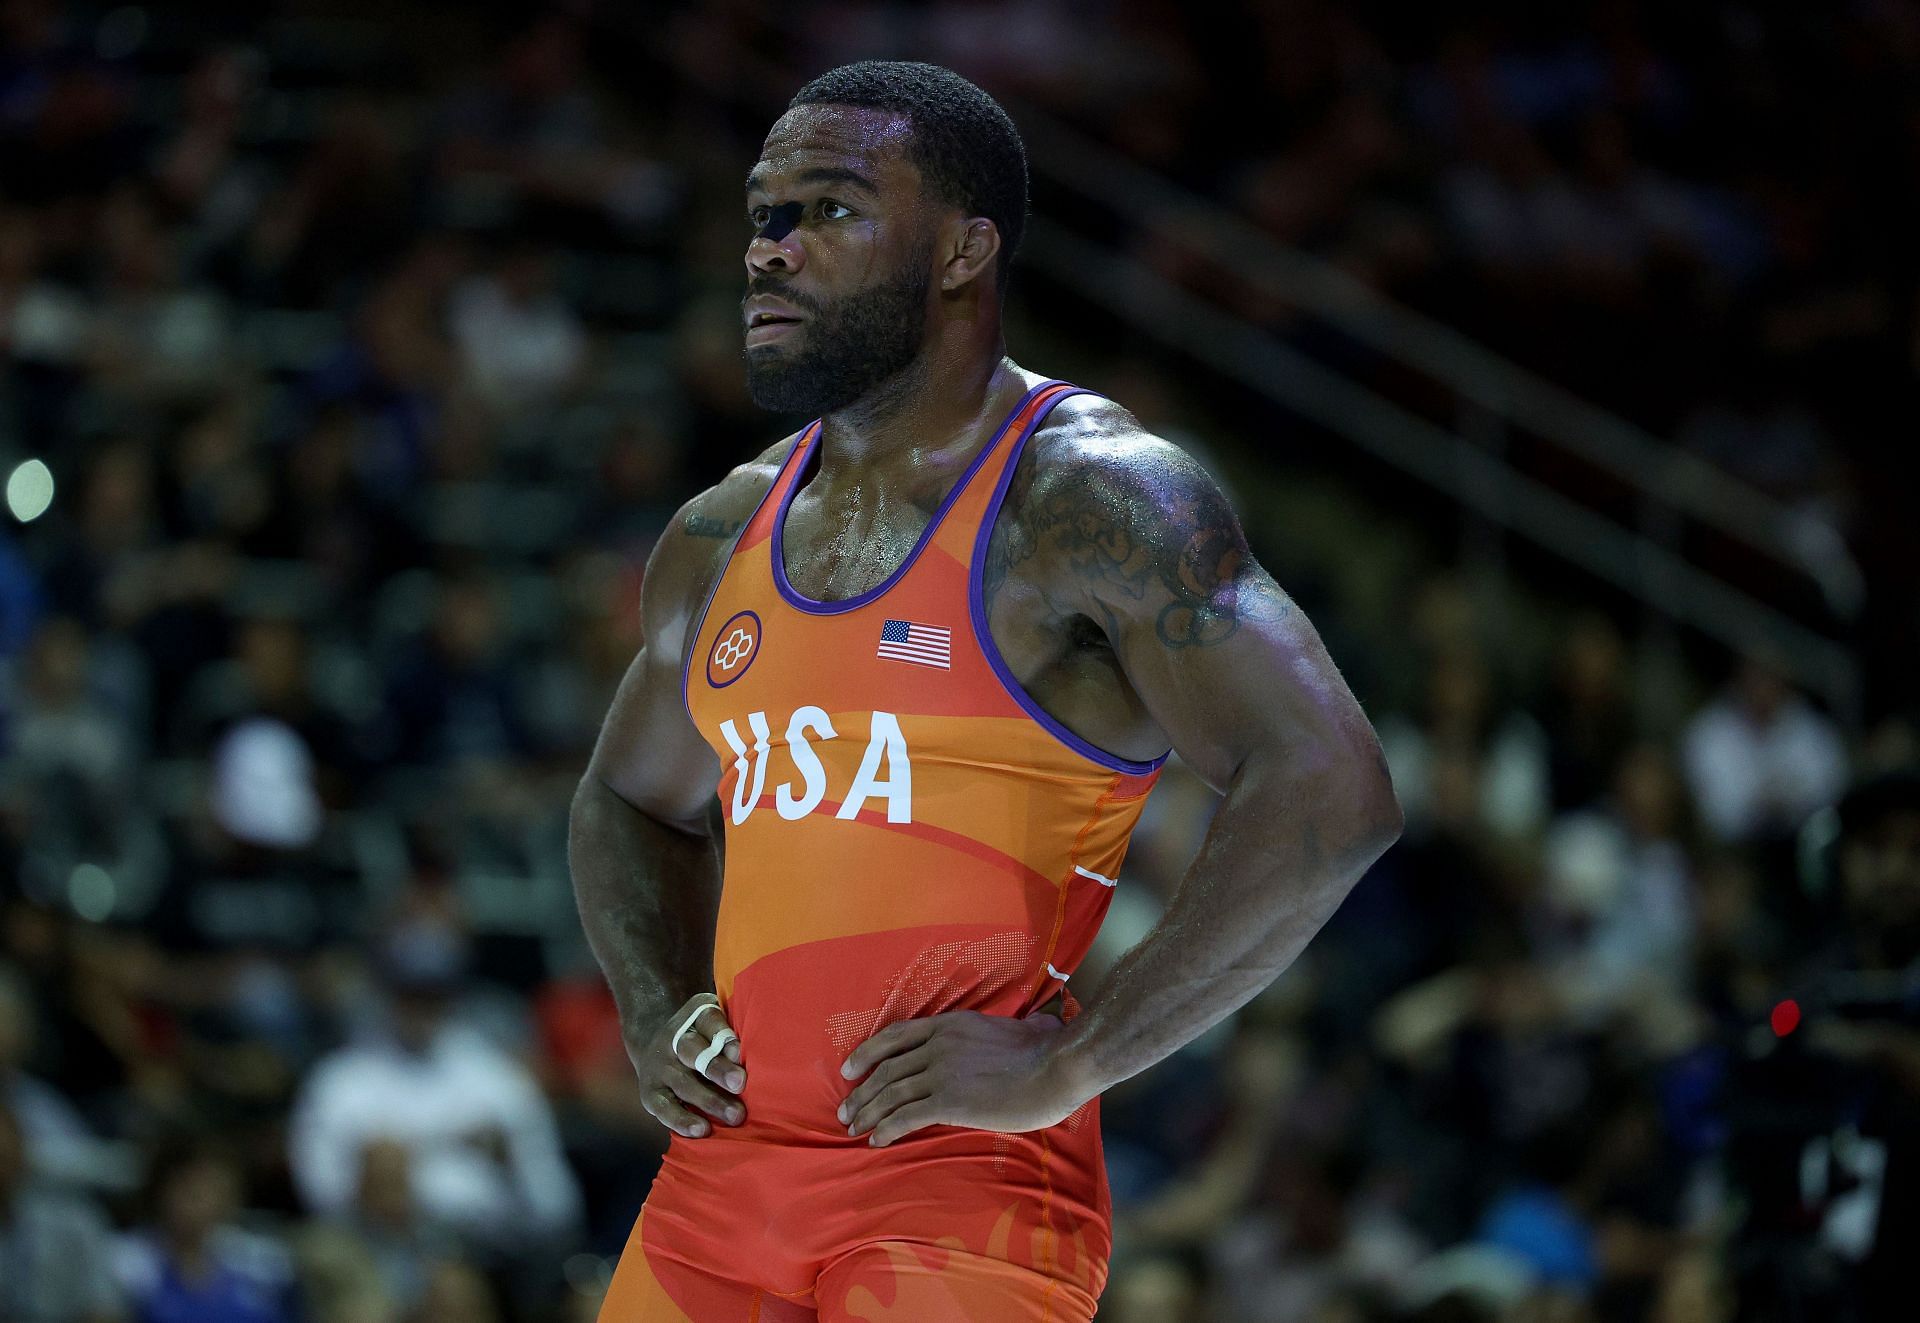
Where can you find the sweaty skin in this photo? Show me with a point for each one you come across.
(1119, 591)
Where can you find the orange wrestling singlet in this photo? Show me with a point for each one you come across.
(907, 833)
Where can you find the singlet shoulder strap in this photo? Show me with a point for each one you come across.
(760, 527)
(985, 488)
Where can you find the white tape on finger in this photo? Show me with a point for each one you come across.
(681, 1032)
(724, 1037)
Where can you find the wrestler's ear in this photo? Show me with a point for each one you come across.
(969, 246)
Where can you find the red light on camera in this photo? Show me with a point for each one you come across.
(1786, 1017)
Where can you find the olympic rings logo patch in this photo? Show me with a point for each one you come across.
(735, 645)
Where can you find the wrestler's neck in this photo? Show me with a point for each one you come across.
(947, 400)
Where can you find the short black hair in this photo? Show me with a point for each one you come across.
(964, 144)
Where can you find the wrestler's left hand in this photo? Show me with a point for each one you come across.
(989, 1072)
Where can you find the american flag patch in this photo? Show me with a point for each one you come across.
(923, 645)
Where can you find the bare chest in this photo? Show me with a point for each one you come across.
(839, 546)
(836, 549)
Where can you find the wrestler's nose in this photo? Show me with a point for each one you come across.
(777, 247)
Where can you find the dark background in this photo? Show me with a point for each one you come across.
(367, 348)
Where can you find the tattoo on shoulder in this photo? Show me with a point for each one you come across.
(1174, 541)
(700, 525)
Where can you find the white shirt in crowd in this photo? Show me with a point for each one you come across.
(486, 1154)
(515, 349)
(1747, 773)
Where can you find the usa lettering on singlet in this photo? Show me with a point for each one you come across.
(885, 745)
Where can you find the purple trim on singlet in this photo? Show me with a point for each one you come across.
(983, 637)
(700, 621)
(800, 601)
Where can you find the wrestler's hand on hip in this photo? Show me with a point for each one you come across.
(682, 1075)
(989, 1072)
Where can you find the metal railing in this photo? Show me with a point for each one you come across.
(1466, 473)
(1530, 402)
(1643, 561)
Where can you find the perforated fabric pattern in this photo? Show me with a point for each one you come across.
(938, 976)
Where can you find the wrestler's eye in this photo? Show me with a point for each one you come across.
(758, 217)
(829, 207)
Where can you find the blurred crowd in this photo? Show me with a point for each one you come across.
(370, 349)
(1695, 215)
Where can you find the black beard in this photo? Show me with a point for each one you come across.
(853, 345)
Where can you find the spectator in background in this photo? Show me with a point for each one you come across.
(1587, 713)
(60, 1147)
(191, 1264)
(54, 1261)
(520, 344)
(456, 1293)
(216, 483)
(484, 1151)
(328, 514)
(1760, 758)
(263, 791)
(1490, 1059)
(635, 494)
(256, 868)
(67, 757)
(1617, 919)
(454, 695)
(270, 675)
(396, 367)
(152, 335)
(1537, 1225)
(201, 175)
(63, 732)
(104, 568)
(1459, 725)
(87, 1042)
(1875, 1051)
(589, 1075)
(1158, 1289)
(534, 135)
(377, 1261)
(43, 327)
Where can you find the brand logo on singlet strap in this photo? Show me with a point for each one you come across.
(735, 646)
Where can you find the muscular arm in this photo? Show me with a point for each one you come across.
(1126, 537)
(1135, 534)
(644, 857)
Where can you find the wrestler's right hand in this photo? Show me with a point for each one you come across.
(671, 1086)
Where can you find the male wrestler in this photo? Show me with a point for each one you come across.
(932, 651)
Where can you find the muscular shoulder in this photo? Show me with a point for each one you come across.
(720, 511)
(688, 557)
(1119, 524)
